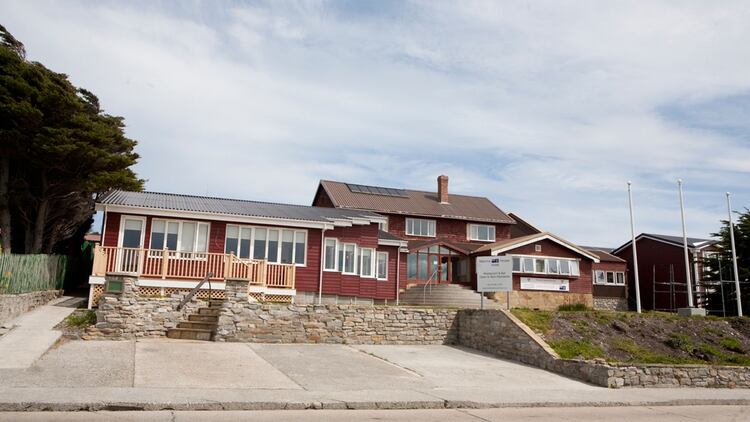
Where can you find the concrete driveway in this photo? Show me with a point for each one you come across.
(188, 375)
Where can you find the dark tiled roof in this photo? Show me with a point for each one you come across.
(203, 204)
(421, 203)
(604, 255)
(693, 242)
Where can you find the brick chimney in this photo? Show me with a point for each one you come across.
(442, 189)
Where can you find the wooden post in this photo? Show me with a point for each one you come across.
(164, 263)
(141, 260)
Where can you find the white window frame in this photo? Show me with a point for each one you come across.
(178, 253)
(614, 277)
(279, 241)
(383, 226)
(121, 235)
(410, 224)
(573, 263)
(378, 254)
(472, 228)
(344, 260)
(335, 268)
(361, 259)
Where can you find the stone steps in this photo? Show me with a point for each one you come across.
(448, 295)
(200, 325)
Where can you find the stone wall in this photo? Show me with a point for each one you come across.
(548, 301)
(502, 334)
(127, 315)
(12, 306)
(610, 304)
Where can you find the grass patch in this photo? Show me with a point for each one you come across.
(679, 341)
(571, 349)
(573, 307)
(639, 354)
(540, 321)
(732, 344)
(81, 319)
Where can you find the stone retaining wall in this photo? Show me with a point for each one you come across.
(610, 304)
(12, 306)
(128, 315)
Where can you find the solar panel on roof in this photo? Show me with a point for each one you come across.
(377, 190)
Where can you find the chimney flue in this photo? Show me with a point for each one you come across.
(442, 190)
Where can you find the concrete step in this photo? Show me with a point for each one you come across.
(448, 295)
(203, 318)
(216, 303)
(209, 311)
(200, 325)
(190, 334)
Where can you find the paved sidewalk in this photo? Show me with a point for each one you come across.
(188, 375)
(33, 333)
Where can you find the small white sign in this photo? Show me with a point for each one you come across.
(551, 284)
(494, 274)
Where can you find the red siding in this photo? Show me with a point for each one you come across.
(111, 229)
(447, 229)
(580, 284)
(600, 290)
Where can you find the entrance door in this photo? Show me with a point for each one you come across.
(131, 243)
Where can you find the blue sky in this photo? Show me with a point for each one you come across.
(546, 108)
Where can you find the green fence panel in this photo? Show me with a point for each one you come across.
(31, 273)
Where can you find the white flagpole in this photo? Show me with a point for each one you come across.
(685, 246)
(734, 256)
(635, 253)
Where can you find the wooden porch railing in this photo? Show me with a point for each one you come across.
(155, 263)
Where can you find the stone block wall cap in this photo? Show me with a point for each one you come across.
(235, 279)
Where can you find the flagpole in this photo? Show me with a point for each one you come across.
(734, 255)
(635, 253)
(685, 246)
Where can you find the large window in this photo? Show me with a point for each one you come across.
(616, 278)
(186, 237)
(330, 258)
(276, 245)
(420, 227)
(437, 263)
(348, 258)
(482, 232)
(544, 265)
(367, 262)
(381, 267)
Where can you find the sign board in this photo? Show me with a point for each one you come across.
(551, 284)
(494, 274)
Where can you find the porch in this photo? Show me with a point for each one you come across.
(162, 272)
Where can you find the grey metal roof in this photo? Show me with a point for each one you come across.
(388, 236)
(204, 204)
(693, 242)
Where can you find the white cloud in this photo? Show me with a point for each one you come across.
(546, 108)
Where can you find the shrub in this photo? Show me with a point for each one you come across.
(573, 307)
(81, 319)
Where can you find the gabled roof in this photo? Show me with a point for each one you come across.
(210, 206)
(461, 247)
(522, 227)
(693, 242)
(510, 244)
(413, 202)
(603, 254)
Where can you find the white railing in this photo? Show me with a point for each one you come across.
(155, 263)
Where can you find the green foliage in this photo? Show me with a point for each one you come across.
(81, 319)
(732, 344)
(57, 148)
(639, 354)
(540, 321)
(679, 341)
(30, 273)
(573, 307)
(577, 348)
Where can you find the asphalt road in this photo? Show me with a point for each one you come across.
(578, 414)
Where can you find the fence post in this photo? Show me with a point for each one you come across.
(164, 262)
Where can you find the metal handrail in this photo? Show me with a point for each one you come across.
(192, 293)
(424, 288)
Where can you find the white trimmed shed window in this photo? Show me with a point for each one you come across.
(367, 262)
(544, 265)
(331, 255)
(609, 277)
(381, 268)
(276, 245)
(420, 227)
(482, 232)
(183, 236)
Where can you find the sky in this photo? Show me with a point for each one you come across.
(547, 108)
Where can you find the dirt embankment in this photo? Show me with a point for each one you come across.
(652, 337)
